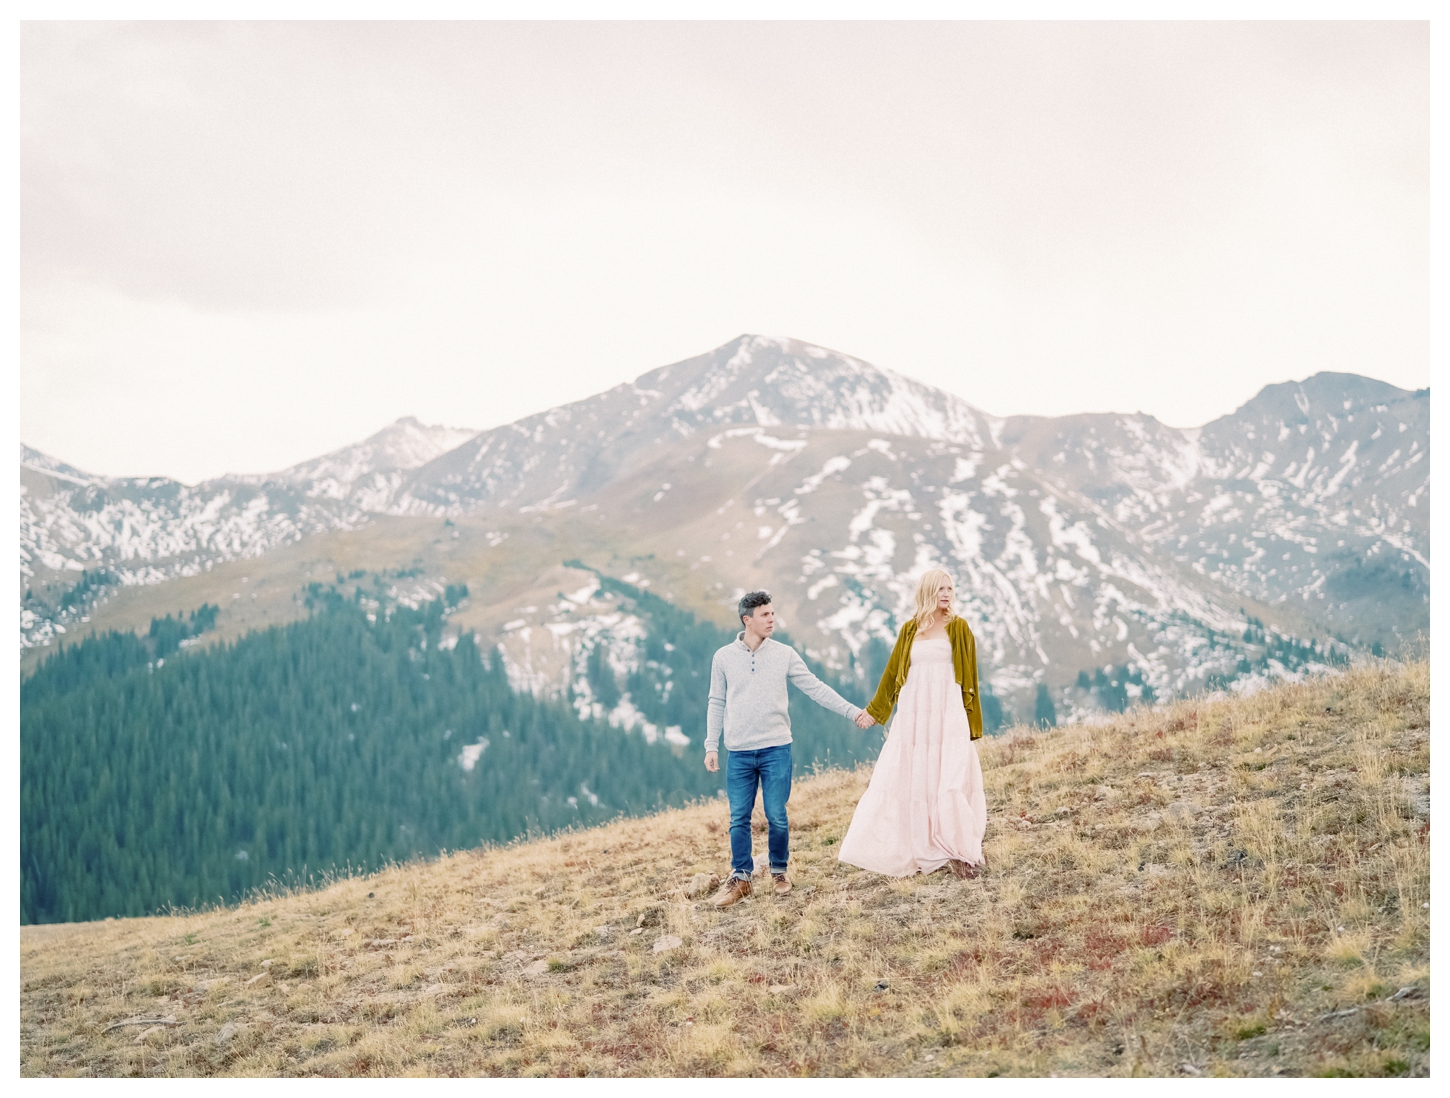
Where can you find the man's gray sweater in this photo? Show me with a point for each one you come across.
(748, 700)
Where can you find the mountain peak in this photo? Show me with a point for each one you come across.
(368, 472)
(753, 380)
(1327, 393)
(774, 381)
(36, 461)
(404, 444)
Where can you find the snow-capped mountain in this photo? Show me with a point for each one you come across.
(572, 450)
(147, 530)
(1315, 491)
(369, 473)
(1081, 542)
(839, 525)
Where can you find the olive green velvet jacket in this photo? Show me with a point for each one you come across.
(964, 663)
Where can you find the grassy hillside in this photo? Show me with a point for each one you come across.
(1230, 888)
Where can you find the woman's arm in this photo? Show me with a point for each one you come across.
(970, 695)
(887, 689)
(964, 654)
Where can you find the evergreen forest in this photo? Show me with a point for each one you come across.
(155, 776)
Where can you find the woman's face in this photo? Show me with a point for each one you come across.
(944, 596)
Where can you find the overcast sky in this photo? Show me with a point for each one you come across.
(243, 245)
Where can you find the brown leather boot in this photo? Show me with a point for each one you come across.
(781, 883)
(735, 890)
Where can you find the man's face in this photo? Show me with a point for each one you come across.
(761, 622)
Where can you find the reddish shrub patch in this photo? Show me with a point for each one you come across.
(1292, 878)
(1178, 724)
(1032, 955)
(1046, 1000)
(1101, 942)
(1093, 1011)
(623, 1053)
(1034, 1004)
(1014, 745)
(1155, 934)
(1100, 948)
(963, 962)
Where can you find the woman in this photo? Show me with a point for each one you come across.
(925, 807)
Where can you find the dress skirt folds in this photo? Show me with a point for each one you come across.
(925, 804)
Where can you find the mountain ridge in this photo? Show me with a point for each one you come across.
(1308, 505)
(708, 391)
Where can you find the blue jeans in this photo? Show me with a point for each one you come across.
(770, 768)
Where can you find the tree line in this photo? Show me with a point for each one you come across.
(153, 776)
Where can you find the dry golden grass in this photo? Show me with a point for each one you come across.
(1227, 888)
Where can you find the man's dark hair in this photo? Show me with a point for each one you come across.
(750, 601)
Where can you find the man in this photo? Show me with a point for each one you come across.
(748, 704)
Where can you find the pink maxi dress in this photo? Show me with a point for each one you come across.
(925, 804)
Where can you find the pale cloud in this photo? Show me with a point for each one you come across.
(243, 244)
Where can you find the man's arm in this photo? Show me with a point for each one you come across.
(816, 690)
(715, 708)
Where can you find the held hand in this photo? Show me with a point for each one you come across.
(712, 761)
(864, 719)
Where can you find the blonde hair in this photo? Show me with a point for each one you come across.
(926, 592)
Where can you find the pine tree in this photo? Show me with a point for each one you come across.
(1045, 713)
